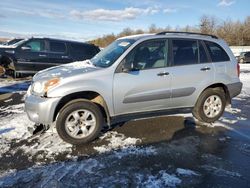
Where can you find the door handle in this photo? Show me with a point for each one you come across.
(65, 56)
(205, 68)
(42, 55)
(163, 74)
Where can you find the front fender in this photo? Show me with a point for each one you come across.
(104, 88)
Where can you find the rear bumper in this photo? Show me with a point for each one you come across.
(234, 89)
(40, 110)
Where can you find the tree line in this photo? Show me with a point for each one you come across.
(235, 33)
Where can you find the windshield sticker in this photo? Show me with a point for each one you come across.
(124, 44)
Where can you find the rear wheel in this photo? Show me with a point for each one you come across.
(9, 66)
(79, 122)
(210, 105)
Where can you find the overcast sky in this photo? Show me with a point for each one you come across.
(84, 20)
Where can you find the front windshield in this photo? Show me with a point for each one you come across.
(20, 42)
(111, 53)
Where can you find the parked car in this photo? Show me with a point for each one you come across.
(244, 57)
(35, 54)
(134, 77)
(12, 41)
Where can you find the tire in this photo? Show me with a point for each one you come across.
(206, 112)
(72, 128)
(9, 67)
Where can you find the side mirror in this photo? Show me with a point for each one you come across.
(128, 67)
(26, 48)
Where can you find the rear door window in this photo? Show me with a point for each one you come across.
(58, 47)
(216, 52)
(185, 52)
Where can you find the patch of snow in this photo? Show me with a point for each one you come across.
(227, 120)
(133, 150)
(221, 172)
(116, 141)
(19, 108)
(186, 172)
(241, 118)
(232, 110)
(79, 64)
(8, 100)
(162, 179)
(245, 148)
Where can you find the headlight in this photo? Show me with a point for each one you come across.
(40, 88)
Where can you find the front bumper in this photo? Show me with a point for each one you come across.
(40, 110)
(234, 89)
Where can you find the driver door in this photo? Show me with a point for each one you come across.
(32, 56)
(145, 84)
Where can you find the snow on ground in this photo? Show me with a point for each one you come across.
(116, 141)
(186, 172)
(13, 126)
(245, 79)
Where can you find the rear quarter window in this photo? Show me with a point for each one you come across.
(217, 53)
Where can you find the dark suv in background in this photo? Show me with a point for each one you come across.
(244, 57)
(32, 55)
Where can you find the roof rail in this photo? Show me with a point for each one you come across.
(182, 32)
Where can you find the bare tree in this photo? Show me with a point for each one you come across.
(207, 24)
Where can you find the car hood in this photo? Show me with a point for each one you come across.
(66, 70)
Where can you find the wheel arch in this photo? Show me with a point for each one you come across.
(225, 89)
(84, 95)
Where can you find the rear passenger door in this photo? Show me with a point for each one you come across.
(58, 53)
(191, 70)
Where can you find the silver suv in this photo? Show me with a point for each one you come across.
(134, 77)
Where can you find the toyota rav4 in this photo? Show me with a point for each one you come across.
(134, 77)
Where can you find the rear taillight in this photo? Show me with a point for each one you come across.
(238, 69)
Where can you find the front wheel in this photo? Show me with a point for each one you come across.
(210, 105)
(79, 122)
